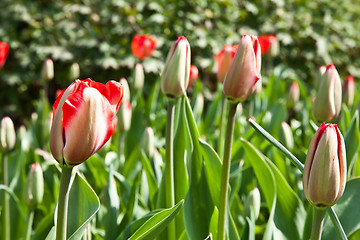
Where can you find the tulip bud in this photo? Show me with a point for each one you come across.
(348, 90)
(139, 77)
(4, 50)
(252, 204)
(126, 88)
(83, 120)
(327, 103)
(269, 45)
(320, 72)
(293, 94)
(175, 77)
(147, 143)
(47, 72)
(244, 71)
(124, 117)
(74, 72)
(34, 187)
(223, 60)
(7, 134)
(143, 46)
(324, 176)
(194, 75)
(286, 136)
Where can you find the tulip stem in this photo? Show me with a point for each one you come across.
(169, 164)
(29, 223)
(61, 225)
(226, 171)
(317, 224)
(6, 200)
(221, 127)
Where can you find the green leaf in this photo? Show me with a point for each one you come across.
(150, 176)
(83, 205)
(157, 223)
(352, 142)
(51, 235)
(348, 211)
(113, 207)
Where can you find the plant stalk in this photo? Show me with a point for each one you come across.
(221, 127)
(29, 223)
(317, 224)
(62, 211)
(6, 200)
(169, 164)
(226, 171)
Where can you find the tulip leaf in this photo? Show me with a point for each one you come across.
(157, 223)
(51, 235)
(287, 213)
(112, 208)
(352, 142)
(83, 205)
(347, 210)
(150, 176)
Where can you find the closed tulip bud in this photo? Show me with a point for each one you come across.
(143, 46)
(124, 117)
(293, 94)
(324, 176)
(74, 72)
(126, 88)
(223, 60)
(348, 90)
(34, 187)
(327, 103)
(147, 143)
(175, 77)
(194, 75)
(83, 120)
(252, 204)
(244, 71)
(139, 77)
(47, 72)
(7, 134)
(4, 50)
(286, 136)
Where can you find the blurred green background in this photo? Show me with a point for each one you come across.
(97, 34)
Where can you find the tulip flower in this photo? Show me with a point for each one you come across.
(348, 90)
(126, 88)
(124, 117)
(4, 50)
(194, 75)
(83, 120)
(286, 136)
(324, 175)
(269, 45)
(147, 144)
(74, 72)
(47, 72)
(7, 134)
(327, 103)
(143, 46)
(293, 94)
(175, 77)
(244, 71)
(34, 188)
(223, 60)
(139, 77)
(252, 204)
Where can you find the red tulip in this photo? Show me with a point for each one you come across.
(224, 59)
(4, 49)
(269, 44)
(194, 74)
(83, 119)
(143, 46)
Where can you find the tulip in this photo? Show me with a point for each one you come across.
(286, 136)
(348, 91)
(327, 103)
(324, 175)
(143, 46)
(244, 71)
(4, 50)
(47, 72)
(74, 72)
(83, 120)
(252, 204)
(175, 77)
(194, 75)
(269, 45)
(7, 134)
(34, 188)
(293, 94)
(147, 143)
(224, 59)
(139, 77)
(124, 117)
(126, 88)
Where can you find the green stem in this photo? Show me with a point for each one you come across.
(226, 171)
(29, 223)
(222, 120)
(169, 164)
(339, 229)
(6, 200)
(61, 224)
(317, 224)
(122, 149)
